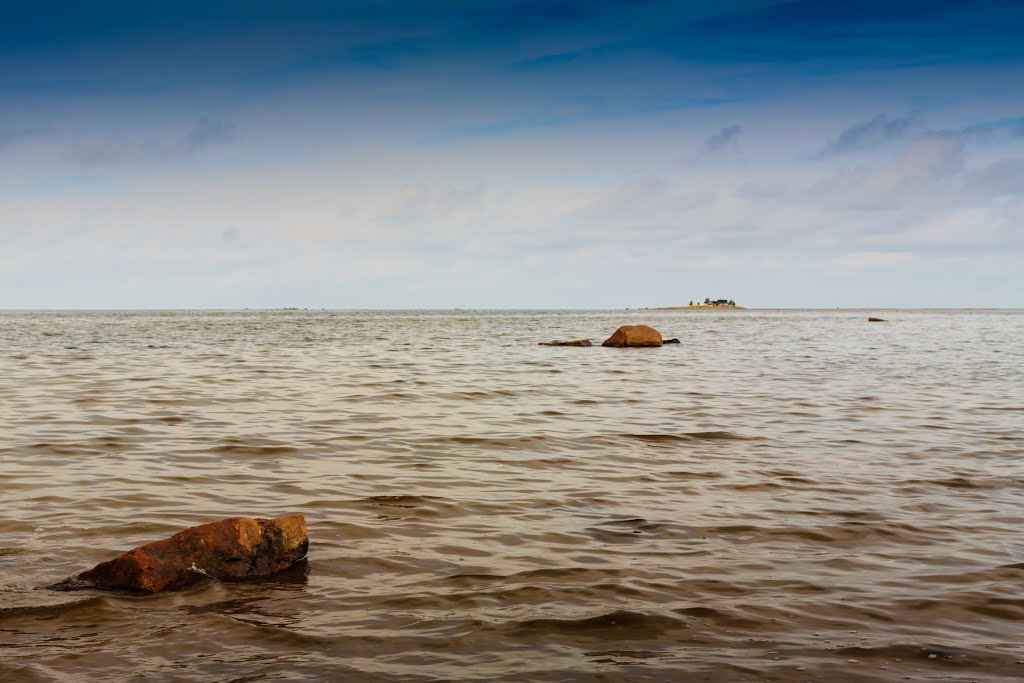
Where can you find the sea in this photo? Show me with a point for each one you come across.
(785, 495)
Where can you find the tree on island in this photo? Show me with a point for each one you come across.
(707, 301)
(691, 303)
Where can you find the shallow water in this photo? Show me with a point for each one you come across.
(784, 496)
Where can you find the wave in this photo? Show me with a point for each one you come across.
(620, 625)
(689, 436)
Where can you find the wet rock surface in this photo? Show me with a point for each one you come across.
(230, 549)
(634, 335)
(573, 342)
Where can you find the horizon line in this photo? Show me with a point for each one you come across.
(290, 309)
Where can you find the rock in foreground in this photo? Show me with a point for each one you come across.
(634, 335)
(231, 549)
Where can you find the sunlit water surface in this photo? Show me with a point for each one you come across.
(784, 496)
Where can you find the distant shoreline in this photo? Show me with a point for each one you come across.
(696, 308)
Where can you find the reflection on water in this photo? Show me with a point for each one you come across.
(786, 495)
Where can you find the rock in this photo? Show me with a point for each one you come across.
(574, 342)
(634, 335)
(231, 549)
(876, 320)
(673, 340)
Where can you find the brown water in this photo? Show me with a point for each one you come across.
(785, 496)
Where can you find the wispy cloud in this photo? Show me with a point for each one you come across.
(545, 61)
(882, 130)
(817, 17)
(868, 134)
(13, 136)
(109, 150)
(206, 133)
(583, 115)
(919, 169)
(1002, 178)
(638, 210)
(721, 139)
(868, 260)
(987, 131)
(431, 212)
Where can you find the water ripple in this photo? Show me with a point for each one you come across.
(787, 496)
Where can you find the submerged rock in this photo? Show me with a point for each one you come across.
(231, 549)
(574, 342)
(634, 335)
(876, 320)
(673, 340)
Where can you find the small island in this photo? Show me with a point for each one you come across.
(706, 305)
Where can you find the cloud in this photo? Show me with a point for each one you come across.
(723, 138)
(581, 113)
(12, 136)
(882, 130)
(638, 210)
(920, 169)
(815, 17)
(1002, 178)
(231, 235)
(828, 37)
(868, 134)
(923, 163)
(532, 14)
(987, 131)
(868, 260)
(546, 61)
(428, 214)
(105, 150)
(206, 133)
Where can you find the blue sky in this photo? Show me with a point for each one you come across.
(511, 154)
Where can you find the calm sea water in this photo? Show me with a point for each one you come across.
(784, 496)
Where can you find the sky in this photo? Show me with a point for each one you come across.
(511, 153)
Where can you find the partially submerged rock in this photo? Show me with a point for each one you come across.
(876, 320)
(231, 549)
(673, 340)
(634, 335)
(574, 342)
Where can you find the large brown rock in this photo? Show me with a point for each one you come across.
(231, 549)
(634, 335)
